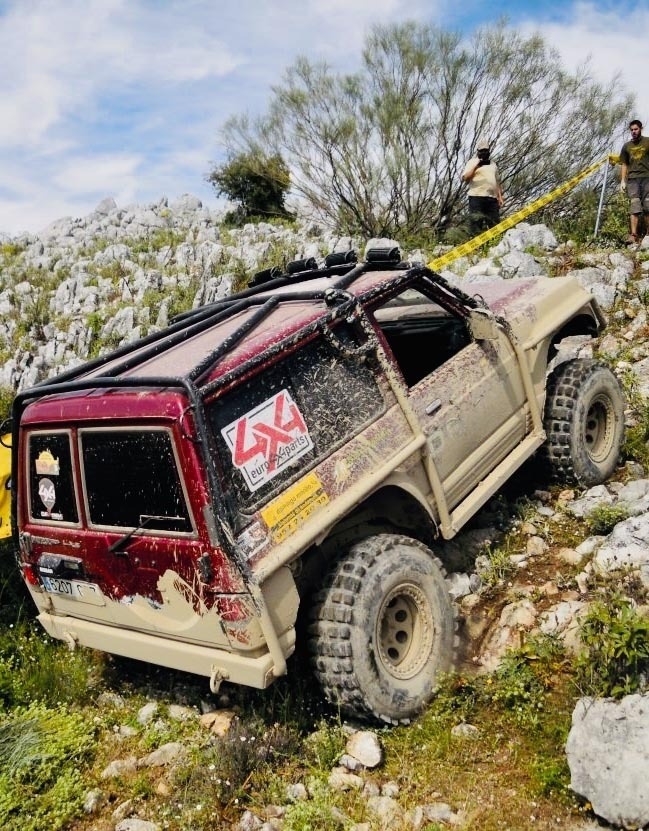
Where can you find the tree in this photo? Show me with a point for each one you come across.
(381, 151)
(256, 181)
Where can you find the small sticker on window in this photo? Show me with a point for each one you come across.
(267, 439)
(47, 493)
(47, 464)
(284, 515)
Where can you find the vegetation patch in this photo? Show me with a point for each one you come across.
(603, 519)
(43, 753)
(615, 635)
(33, 667)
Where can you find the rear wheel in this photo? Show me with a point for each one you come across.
(383, 629)
(584, 422)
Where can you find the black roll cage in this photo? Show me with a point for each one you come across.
(341, 304)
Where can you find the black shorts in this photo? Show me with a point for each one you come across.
(484, 213)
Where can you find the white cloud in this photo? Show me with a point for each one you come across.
(125, 97)
(364, 9)
(57, 59)
(104, 174)
(614, 41)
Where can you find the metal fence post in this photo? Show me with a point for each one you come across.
(601, 198)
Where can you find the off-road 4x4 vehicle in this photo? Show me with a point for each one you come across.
(298, 448)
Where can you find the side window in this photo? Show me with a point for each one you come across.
(420, 333)
(281, 422)
(131, 480)
(51, 479)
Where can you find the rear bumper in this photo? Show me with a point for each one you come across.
(253, 671)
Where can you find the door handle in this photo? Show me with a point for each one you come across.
(433, 407)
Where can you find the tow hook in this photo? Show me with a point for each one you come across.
(217, 677)
(72, 640)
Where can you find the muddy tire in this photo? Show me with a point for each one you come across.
(383, 629)
(584, 422)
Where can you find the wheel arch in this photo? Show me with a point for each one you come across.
(584, 323)
(393, 508)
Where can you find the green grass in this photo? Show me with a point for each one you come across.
(43, 754)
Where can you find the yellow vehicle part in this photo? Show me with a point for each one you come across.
(5, 485)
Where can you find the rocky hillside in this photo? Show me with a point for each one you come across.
(85, 285)
(539, 562)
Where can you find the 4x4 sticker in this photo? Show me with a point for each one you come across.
(267, 439)
(47, 493)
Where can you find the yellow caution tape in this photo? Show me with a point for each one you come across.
(486, 236)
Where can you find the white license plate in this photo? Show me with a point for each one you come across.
(75, 590)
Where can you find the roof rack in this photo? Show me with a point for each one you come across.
(195, 321)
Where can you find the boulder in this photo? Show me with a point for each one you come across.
(608, 756)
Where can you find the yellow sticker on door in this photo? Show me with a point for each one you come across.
(284, 515)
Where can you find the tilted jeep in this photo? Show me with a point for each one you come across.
(300, 447)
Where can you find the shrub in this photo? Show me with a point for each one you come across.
(604, 518)
(616, 637)
(220, 774)
(257, 182)
(636, 442)
(524, 677)
(498, 566)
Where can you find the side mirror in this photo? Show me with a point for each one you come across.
(482, 325)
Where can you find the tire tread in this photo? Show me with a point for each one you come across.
(332, 614)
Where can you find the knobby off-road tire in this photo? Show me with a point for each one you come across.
(383, 629)
(584, 422)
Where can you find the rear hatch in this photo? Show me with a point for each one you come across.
(112, 520)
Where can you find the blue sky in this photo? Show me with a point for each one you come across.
(125, 98)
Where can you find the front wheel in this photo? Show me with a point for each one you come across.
(383, 629)
(584, 422)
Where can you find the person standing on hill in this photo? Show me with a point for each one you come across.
(485, 192)
(634, 179)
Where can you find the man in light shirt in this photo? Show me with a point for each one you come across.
(485, 193)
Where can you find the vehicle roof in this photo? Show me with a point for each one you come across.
(297, 305)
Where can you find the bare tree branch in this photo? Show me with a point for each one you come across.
(382, 151)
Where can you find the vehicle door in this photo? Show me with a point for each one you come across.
(467, 393)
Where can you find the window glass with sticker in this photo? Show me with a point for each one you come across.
(51, 479)
(281, 422)
(132, 480)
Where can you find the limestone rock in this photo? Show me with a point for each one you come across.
(608, 756)
(164, 755)
(387, 812)
(366, 747)
(119, 767)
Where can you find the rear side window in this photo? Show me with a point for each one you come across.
(51, 479)
(281, 422)
(131, 480)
